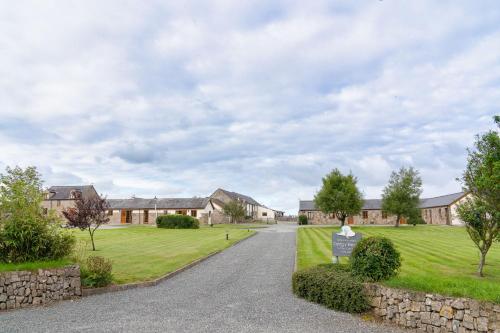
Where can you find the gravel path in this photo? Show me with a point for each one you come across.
(247, 288)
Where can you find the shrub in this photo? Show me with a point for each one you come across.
(375, 259)
(303, 220)
(333, 286)
(33, 238)
(177, 222)
(97, 272)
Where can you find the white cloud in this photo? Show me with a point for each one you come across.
(178, 99)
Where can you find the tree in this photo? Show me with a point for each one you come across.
(26, 234)
(234, 210)
(401, 196)
(480, 211)
(339, 195)
(21, 192)
(89, 213)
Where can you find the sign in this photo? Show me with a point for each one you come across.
(342, 246)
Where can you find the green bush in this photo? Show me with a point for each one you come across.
(33, 238)
(97, 272)
(177, 222)
(303, 220)
(375, 259)
(333, 286)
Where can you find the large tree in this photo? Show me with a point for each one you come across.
(481, 179)
(401, 196)
(339, 195)
(89, 213)
(234, 210)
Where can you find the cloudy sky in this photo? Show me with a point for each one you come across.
(177, 99)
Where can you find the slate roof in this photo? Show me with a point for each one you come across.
(236, 196)
(161, 203)
(64, 192)
(374, 204)
(444, 200)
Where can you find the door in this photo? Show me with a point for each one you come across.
(146, 216)
(402, 221)
(350, 220)
(123, 218)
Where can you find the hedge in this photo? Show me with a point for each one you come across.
(177, 222)
(333, 286)
(303, 220)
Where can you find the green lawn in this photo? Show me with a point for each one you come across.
(33, 266)
(435, 259)
(145, 253)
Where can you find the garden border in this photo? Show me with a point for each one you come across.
(119, 287)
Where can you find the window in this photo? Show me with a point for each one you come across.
(165, 212)
(365, 214)
(264, 213)
(45, 211)
(146, 216)
(384, 214)
(110, 212)
(193, 212)
(309, 215)
(181, 212)
(58, 203)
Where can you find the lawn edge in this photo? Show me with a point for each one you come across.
(120, 287)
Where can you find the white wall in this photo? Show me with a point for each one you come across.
(455, 220)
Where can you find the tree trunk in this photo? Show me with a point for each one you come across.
(342, 221)
(92, 239)
(398, 217)
(481, 264)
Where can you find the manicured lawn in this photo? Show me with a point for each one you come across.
(33, 266)
(435, 259)
(145, 253)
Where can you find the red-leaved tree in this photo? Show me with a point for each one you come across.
(89, 214)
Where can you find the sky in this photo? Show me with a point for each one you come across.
(179, 98)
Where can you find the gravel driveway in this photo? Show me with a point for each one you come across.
(247, 288)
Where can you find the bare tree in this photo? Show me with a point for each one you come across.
(89, 214)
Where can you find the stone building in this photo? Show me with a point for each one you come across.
(438, 210)
(145, 211)
(251, 205)
(59, 198)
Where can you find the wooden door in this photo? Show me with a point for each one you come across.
(350, 220)
(123, 218)
(402, 221)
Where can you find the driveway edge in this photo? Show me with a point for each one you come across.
(113, 288)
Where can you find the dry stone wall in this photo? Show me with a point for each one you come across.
(25, 288)
(433, 313)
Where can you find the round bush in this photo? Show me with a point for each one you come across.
(375, 259)
(303, 220)
(177, 222)
(333, 286)
(97, 272)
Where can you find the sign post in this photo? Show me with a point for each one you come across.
(343, 243)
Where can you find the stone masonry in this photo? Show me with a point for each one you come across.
(24, 288)
(433, 313)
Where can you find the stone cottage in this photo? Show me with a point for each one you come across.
(437, 210)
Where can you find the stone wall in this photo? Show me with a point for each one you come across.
(24, 288)
(433, 313)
